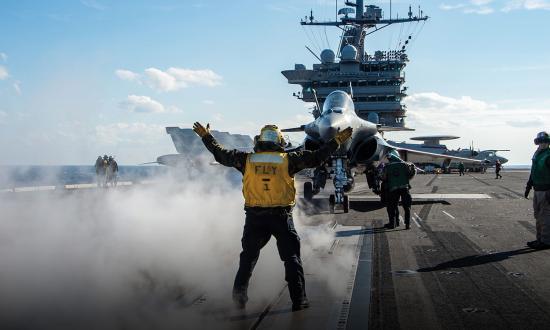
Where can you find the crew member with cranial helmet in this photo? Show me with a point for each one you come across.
(99, 171)
(397, 175)
(539, 180)
(269, 194)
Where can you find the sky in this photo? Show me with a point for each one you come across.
(85, 78)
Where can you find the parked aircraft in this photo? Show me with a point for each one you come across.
(433, 144)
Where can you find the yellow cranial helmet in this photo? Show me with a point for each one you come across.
(272, 133)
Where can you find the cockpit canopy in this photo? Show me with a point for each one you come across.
(338, 102)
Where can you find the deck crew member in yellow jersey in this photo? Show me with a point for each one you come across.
(269, 193)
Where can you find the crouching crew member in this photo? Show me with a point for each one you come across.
(269, 193)
(540, 181)
(397, 175)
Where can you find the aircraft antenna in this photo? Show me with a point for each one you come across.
(350, 90)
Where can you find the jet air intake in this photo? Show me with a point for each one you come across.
(367, 151)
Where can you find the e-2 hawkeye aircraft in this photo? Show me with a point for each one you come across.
(362, 153)
(433, 144)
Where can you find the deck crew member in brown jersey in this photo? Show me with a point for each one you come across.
(269, 193)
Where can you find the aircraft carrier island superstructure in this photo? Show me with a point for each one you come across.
(376, 80)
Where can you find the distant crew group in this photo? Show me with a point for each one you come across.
(106, 170)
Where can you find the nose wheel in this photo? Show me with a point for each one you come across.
(333, 205)
(308, 191)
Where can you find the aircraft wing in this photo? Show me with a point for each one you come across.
(416, 156)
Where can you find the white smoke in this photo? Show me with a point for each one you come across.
(133, 257)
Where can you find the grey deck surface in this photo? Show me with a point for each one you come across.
(465, 265)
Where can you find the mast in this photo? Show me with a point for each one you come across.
(377, 79)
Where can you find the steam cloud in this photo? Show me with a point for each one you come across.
(132, 258)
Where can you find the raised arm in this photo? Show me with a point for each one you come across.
(309, 159)
(230, 158)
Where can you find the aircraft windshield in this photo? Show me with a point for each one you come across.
(337, 102)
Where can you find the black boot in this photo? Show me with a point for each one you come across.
(239, 299)
(299, 305)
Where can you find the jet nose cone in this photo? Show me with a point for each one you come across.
(503, 160)
(328, 127)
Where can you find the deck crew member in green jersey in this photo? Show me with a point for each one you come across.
(397, 175)
(269, 195)
(461, 169)
(539, 180)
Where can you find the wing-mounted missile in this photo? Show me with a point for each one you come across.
(294, 129)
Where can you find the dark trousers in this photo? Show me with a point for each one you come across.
(497, 172)
(258, 229)
(404, 195)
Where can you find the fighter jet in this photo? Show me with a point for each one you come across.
(362, 152)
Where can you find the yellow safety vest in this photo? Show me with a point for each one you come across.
(266, 182)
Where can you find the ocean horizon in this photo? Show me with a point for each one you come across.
(47, 175)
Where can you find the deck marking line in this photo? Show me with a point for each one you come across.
(416, 222)
(417, 217)
(450, 216)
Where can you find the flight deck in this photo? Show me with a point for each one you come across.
(462, 265)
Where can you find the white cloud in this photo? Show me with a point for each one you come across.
(17, 87)
(127, 75)
(145, 104)
(526, 4)
(134, 133)
(437, 112)
(435, 101)
(3, 73)
(177, 78)
(3, 57)
(503, 125)
(162, 81)
(172, 79)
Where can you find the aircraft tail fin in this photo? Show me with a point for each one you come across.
(188, 142)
